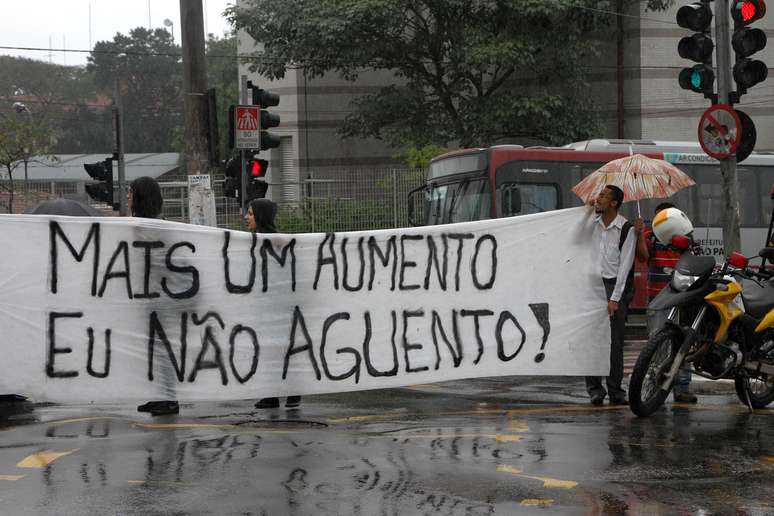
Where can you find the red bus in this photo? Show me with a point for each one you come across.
(511, 180)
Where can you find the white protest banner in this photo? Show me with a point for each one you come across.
(98, 309)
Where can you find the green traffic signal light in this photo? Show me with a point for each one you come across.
(699, 78)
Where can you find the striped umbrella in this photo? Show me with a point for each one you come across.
(640, 177)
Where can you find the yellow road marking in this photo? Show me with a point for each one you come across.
(11, 478)
(42, 459)
(518, 425)
(537, 502)
(547, 482)
(507, 438)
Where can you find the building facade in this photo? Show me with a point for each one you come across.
(634, 83)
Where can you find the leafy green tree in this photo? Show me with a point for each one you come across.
(468, 72)
(148, 69)
(62, 98)
(21, 138)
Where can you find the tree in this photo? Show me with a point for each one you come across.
(147, 66)
(468, 72)
(62, 98)
(21, 138)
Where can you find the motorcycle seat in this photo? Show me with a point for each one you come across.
(757, 300)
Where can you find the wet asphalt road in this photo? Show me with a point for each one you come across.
(486, 446)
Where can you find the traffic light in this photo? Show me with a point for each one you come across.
(257, 186)
(746, 41)
(258, 168)
(233, 184)
(101, 171)
(264, 99)
(748, 137)
(697, 47)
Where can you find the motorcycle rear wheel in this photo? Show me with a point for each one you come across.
(760, 390)
(655, 360)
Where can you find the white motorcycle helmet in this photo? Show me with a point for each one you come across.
(670, 222)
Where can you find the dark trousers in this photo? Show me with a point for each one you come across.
(617, 326)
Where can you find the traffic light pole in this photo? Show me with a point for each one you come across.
(245, 98)
(731, 237)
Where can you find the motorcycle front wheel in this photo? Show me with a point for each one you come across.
(655, 360)
(760, 390)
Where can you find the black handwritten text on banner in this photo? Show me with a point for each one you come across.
(112, 309)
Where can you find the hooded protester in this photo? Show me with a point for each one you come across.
(144, 198)
(260, 219)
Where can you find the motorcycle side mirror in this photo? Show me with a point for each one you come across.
(737, 260)
(767, 253)
(681, 242)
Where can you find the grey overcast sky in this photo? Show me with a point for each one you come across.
(65, 23)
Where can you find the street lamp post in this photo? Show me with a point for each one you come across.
(168, 23)
(20, 107)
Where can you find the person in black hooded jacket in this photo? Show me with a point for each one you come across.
(260, 219)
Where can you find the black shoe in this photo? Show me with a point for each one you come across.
(267, 403)
(293, 401)
(619, 401)
(160, 408)
(685, 397)
(597, 399)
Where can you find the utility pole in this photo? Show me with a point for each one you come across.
(118, 147)
(731, 237)
(201, 201)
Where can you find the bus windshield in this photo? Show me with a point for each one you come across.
(460, 201)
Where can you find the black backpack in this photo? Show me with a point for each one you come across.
(625, 233)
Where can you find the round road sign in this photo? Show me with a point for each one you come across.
(720, 131)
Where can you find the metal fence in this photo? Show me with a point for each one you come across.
(342, 200)
(345, 199)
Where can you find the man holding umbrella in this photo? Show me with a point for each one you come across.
(616, 239)
(634, 177)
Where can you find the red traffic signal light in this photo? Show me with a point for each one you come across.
(744, 12)
(258, 168)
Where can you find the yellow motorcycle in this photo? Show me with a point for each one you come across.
(721, 322)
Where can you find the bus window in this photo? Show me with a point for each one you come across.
(525, 198)
(461, 201)
(470, 200)
(437, 199)
(748, 198)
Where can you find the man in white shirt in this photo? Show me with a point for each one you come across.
(615, 239)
